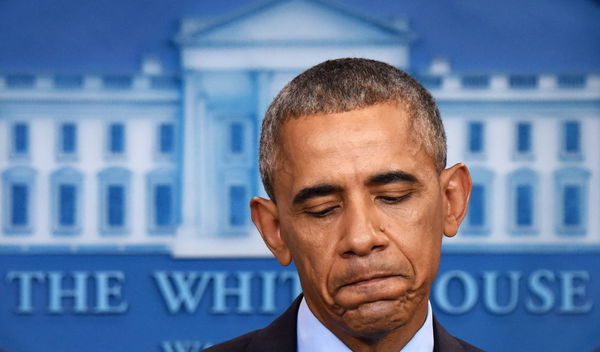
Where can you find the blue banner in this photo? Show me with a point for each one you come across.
(500, 302)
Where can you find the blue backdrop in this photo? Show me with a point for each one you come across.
(128, 135)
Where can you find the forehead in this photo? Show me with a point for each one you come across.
(377, 122)
(356, 143)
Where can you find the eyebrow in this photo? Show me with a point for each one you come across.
(391, 177)
(377, 180)
(315, 191)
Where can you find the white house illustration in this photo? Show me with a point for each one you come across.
(146, 162)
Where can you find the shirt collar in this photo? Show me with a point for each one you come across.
(313, 336)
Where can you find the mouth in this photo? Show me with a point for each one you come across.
(371, 287)
(369, 279)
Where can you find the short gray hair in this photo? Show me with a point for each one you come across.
(342, 85)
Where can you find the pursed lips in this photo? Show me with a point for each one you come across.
(370, 278)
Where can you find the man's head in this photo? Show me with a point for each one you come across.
(342, 85)
(363, 199)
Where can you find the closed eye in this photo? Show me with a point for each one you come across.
(321, 214)
(394, 200)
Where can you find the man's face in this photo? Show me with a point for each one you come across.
(361, 209)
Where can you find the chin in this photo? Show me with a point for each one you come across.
(378, 318)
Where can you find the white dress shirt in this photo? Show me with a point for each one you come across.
(315, 337)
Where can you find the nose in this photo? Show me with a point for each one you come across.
(363, 232)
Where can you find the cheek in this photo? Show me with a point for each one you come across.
(312, 251)
(417, 232)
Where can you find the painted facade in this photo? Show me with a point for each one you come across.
(151, 162)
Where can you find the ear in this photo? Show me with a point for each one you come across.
(266, 219)
(456, 185)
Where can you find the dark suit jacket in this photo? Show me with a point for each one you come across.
(280, 336)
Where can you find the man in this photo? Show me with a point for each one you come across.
(352, 156)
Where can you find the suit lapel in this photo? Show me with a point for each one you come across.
(280, 335)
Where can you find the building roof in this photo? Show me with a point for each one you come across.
(474, 35)
(291, 21)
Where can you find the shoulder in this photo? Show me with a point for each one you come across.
(280, 335)
(467, 347)
(444, 342)
(239, 343)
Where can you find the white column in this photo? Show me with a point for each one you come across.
(189, 186)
